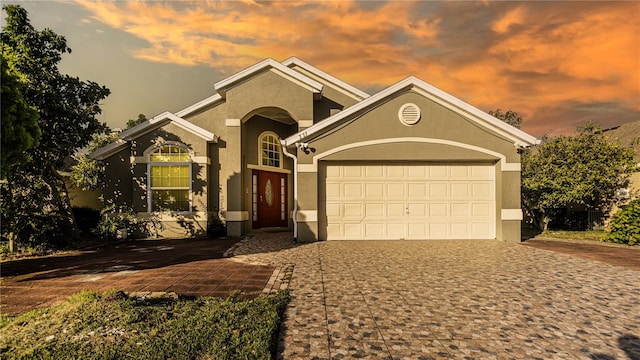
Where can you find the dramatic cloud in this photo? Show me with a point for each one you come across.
(544, 59)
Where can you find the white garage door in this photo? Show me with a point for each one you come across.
(410, 202)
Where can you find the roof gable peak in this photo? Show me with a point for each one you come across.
(519, 137)
(223, 85)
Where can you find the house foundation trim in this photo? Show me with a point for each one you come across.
(511, 214)
(511, 167)
(236, 215)
(307, 168)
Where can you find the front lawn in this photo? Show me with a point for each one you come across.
(113, 325)
(594, 235)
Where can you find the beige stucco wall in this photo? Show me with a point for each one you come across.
(437, 122)
(83, 198)
(467, 142)
(266, 90)
(118, 184)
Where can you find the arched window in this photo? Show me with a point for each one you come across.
(170, 179)
(270, 152)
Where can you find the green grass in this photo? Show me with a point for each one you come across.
(113, 325)
(594, 235)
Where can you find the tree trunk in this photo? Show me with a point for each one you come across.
(544, 222)
(65, 201)
(11, 242)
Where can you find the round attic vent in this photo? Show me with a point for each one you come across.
(409, 114)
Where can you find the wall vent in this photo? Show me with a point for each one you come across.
(409, 114)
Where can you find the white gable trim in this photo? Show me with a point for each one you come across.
(108, 150)
(199, 105)
(345, 88)
(519, 137)
(160, 120)
(148, 126)
(223, 85)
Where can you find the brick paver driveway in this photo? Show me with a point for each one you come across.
(188, 267)
(451, 299)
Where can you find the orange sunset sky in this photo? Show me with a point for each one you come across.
(558, 64)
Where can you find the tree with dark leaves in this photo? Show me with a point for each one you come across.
(67, 109)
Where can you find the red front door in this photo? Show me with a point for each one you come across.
(269, 199)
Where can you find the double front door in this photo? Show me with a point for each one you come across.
(269, 199)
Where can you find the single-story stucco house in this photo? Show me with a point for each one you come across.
(286, 145)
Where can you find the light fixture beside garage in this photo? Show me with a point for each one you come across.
(409, 114)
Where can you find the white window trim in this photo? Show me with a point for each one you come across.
(280, 153)
(147, 154)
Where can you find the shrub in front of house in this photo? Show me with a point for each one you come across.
(87, 220)
(625, 225)
(117, 222)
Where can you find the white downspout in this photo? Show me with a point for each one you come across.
(295, 189)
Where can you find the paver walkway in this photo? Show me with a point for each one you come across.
(450, 299)
(192, 267)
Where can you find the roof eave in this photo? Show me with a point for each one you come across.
(108, 150)
(356, 93)
(211, 100)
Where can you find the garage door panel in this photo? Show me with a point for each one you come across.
(333, 210)
(353, 231)
(437, 172)
(352, 172)
(374, 171)
(459, 230)
(481, 209)
(395, 172)
(438, 190)
(396, 191)
(374, 190)
(334, 231)
(417, 231)
(334, 172)
(460, 210)
(417, 210)
(395, 209)
(353, 210)
(483, 172)
(396, 230)
(480, 230)
(410, 201)
(333, 190)
(417, 190)
(374, 210)
(438, 210)
(482, 190)
(460, 172)
(459, 190)
(353, 190)
(438, 231)
(418, 172)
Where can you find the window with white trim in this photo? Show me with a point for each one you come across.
(170, 179)
(270, 151)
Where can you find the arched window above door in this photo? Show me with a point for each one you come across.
(270, 152)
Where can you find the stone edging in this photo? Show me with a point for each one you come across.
(280, 279)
